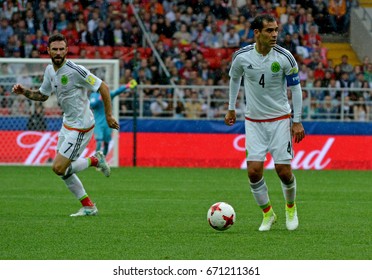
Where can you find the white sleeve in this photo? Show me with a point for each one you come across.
(236, 72)
(88, 80)
(297, 102)
(234, 90)
(46, 86)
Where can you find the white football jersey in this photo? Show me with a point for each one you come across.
(265, 80)
(71, 84)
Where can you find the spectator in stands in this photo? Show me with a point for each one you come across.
(330, 110)
(27, 46)
(183, 35)
(219, 10)
(348, 109)
(189, 16)
(143, 66)
(291, 27)
(231, 39)
(5, 101)
(179, 110)
(246, 35)
(367, 93)
(158, 106)
(34, 54)
(357, 69)
(193, 106)
(5, 32)
(93, 21)
(102, 35)
(337, 72)
(49, 24)
(312, 39)
(320, 15)
(317, 92)
(21, 31)
(233, 10)
(345, 65)
(302, 74)
(301, 17)
(40, 13)
(31, 22)
(361, 111)
(306, 26)
(289, 45)
(319, 73)
(199, 35)
(327, 78)
(333, 89)
(117, 32)
(71, 34)
(39, 43)
(37, 119)
(368, 74)
(337, 16)
(315, 58)
(344, 82)
(11, 46)
(185, 71)
(21, 106)
(153, 6)
(136, 37)
(214, 38)
(365, 63)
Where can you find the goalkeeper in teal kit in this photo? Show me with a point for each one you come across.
(102, 132)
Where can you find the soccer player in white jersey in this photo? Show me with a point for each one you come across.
(268, 70)
(71, 83)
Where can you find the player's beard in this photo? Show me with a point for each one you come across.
(58, 60)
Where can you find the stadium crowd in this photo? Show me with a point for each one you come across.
(195, 39)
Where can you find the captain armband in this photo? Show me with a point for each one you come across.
(293, 79)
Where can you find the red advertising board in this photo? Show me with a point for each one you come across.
(196, 150)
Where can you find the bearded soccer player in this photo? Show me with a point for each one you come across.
(268, 70)
(71, 83)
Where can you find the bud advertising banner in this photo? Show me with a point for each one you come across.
(315, 152)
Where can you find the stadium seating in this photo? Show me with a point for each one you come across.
(106, 52)
(73, 51)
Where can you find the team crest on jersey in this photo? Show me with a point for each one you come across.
(91, 80)
(64, 80)
(275, 67)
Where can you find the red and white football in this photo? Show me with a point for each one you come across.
(221, 216)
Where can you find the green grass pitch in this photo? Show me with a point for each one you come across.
(160, 214)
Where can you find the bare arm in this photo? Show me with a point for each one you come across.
(35, 95)
(106, 98)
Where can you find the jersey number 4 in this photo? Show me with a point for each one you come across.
(262, 81)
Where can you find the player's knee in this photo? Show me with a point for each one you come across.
(284, 173)
(58, 169)
(254, 175)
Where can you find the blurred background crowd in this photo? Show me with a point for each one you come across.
(194, 40)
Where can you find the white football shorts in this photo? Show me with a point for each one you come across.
(273, 137)
(72, 142)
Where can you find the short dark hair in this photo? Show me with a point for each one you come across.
(257, 23)
(57, 37)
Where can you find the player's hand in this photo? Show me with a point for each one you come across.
(111, 121)
(230, 117)
(18, 89)
(298, 132)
